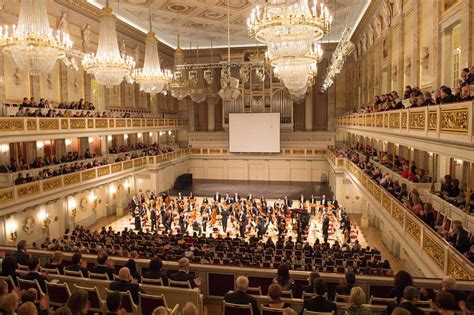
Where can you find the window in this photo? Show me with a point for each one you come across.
(456, 53)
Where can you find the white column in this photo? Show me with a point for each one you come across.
(211, 115)
(443, 164)
(309, 111)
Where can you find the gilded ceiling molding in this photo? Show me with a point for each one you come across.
(367, 18)
(84, 8)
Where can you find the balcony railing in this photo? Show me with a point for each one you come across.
(34, 125)
(450, 122)
(41, 188)
(427, 240)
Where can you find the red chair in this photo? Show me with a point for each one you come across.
(58, 293)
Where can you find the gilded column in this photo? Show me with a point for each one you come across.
(309, 111)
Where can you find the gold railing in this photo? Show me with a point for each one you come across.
(446, 122)
(33, 190)
(290, 152)
(15, 125)
(428, 241)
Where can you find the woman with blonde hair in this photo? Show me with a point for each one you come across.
(8, 304)
(357, 299)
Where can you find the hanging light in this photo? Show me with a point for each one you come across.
(108, 66)
(196, 80)
(33, 45)
(179, 86)
(151, 78)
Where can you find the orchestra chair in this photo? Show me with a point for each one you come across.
(265, 310)
(149, 302)
(96, 304)
(98, 276)
(180, 284)
(341, 298)
(254, 290)
(71, 273)
(152, 281)
(127, 301)
(58, 293)
(9, 280)
(237, 309)
(48, 271)
(24, 285)
(306, 312)
(381, 301)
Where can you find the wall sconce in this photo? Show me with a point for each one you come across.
(139, 135)
(91, 140)
(73, 206)
(43, 217)
(109, 138)
(169, 133)
(161, 133)
(5, 148)
(125, 136)
(39, 145)
(11, 228)
(457, 162)
(68, 142)
(113, 192)
(93, 199)
(127, 186)
(150, 134)
(430, 154)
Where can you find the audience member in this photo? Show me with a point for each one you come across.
(8, 304)
(283, 277)
(27, 308)
(155, 271)
(9, 267)
(113, 302)
(240, 296)
(78, 302)
(349, 282)
(77, 264)
(274, 292)
(402, 280)
(184, 275)
(104, 265)
(190, 309)
(356, 300)
(126, 283)
(21, 256)
(408, 301)
(319, 303)
(309, 288)
(34, 274)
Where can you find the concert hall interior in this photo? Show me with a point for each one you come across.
(237, 157)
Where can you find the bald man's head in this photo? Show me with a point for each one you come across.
(124, 273)
(242, 283)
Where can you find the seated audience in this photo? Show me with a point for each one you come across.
(126, 283)
(402, 280)
(319, 303)
(104, 266)
(349, 283)
(283, 277)
(190, 309)
(34, 274)
(9, 304)
(77, 264)
(240, 296)
(309, 288)
(155, 271)
(445, 304)
(9, 267)
(356, 300)
(274, 292)
(78, 302)
(459, 237)
(56, 262)
(113, 302)
(184, 275)
(408, 302)
(21, 256)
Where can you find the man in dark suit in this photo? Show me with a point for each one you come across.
(242, 223)
(217, 197)
(409, 301)
(325, 228)
(345, 289)
(126, 283)
(184, 275)
(104, 265)
(155, 271)
(324, 201)
(21, 256)
(240, 296)
(319, 303)
(459, 237)
(309, 288)
(34, 274)
(153, 218)
(225, 217)
(76, 265)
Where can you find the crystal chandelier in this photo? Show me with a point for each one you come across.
(151, 78)
(33, 45)
(179, 86)
(290, 29)
(343, 50)
(108, 66)
(196, 82)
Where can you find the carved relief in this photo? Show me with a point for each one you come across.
(78, 123)
(394, 73)
(28, 225)
(386, 203)
(379, 120)
(6, 196)
(432, 120)
(71, 179)
(404, 120)
(455, 120)
(398, 214)
(8, 124)
(456, 270)
(394, 120)
(17, 77)
(63, 24)
(386, 14)
(116, 167)
(27, 189)
(49, 82)
(377, 27)
(127, 165)
(31, 124)
(425, 58)
(433, 249)
(101, 123)
(48, 124)
(86, 38)
(413, 228)
(50, 184)
(417, 120)
(407, 69)
(86, 175)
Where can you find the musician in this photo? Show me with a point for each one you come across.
(225, 216)
(287, 202)
(236, 197)
(180, 197)
(138, 218)
(154, 218)
(261, 230)
(135, 203)
(191, 197)
(324, 201)
(301, 199)
(217, 197)
(325, 227)
(243, 223)
(313, 201)
(249, 197)
(335, 203)
(204, 220)
(181, 222)
(205, 201)
(165, 220)
(227, 199)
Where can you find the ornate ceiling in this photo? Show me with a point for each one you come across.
(203, 20)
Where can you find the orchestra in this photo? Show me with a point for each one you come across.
(247, 217)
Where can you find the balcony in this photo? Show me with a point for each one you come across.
(60, 127)
(42, 188)
(450, 123)
(428, 242)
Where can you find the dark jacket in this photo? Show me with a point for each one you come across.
(21, 257)
(406, 305)
(183, 276)
(156, 275)
(319, 304)
(84, 271)
(344, 289)
(33, 275)
(124, 286)
(240, 297)
(104, 269)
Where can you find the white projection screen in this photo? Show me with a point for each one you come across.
(254, 132)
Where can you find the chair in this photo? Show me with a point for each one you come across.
(381, 301)
(180, 284)
(24, 284)
(127, 302)
(254, 290)
(98, 276)
(22, 267)
(305, 295)
(49, 271)
(58, 293)
(149, 302)
(152, 281)
(237, 309)
(424, 304)
(264, 310)
(306, 312)
(71, 273)
(341, 298)
(287, 294)
(97, 305)
(9, 281)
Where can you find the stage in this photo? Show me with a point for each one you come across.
(269, 189)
